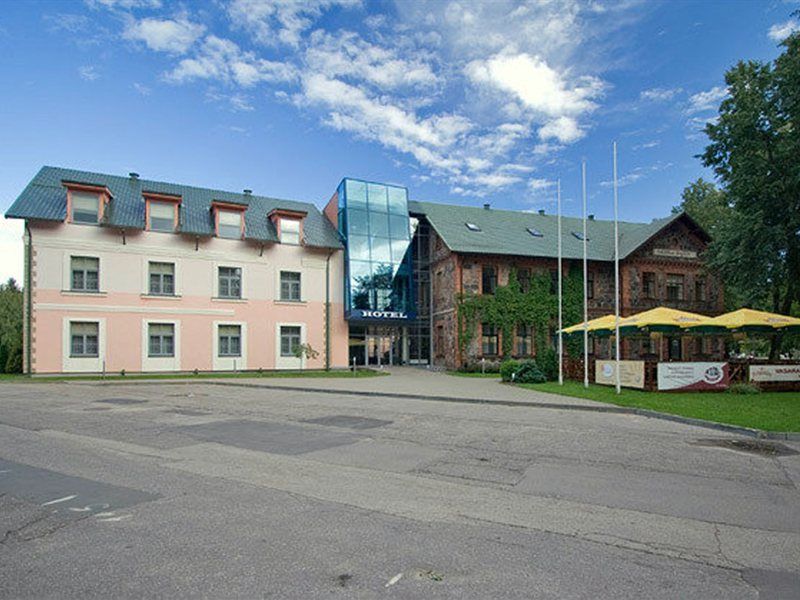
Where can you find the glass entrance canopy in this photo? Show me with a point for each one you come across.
(374, 223)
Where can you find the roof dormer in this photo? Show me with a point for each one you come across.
(288, 224)
(229, 219)
(86, 203)
(161, 211)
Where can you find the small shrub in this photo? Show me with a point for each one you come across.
(490, 366)
(548, 363)
(743, 388)
(508, 368)
(529, 372)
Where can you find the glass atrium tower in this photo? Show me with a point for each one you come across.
(380, 301)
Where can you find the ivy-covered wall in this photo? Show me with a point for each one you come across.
(510, 306)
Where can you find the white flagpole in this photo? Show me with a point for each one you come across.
(585, 285)
(616, 273)
(560, 309)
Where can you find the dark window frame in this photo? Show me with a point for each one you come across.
(86, 340)
(87, 275)
(165, 342)
(488, 279)
(490, 340)
(293, 338)
(229, 282)
(160, 284)
(290, 289)
(225, 341)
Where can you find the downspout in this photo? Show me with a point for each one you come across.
(29, 298)
(328, 311)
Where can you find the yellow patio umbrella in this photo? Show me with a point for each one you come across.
(661, 319)
(600, 325)
(747, 319)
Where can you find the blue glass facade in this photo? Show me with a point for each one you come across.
(374, 222)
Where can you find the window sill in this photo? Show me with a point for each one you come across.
(160, 297)
(291, 302)
(229, 356)
(218, 299)
(83, 293)
(91, 356)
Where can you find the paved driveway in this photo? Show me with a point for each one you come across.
(219, 491)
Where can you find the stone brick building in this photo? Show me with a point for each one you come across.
(474, 250)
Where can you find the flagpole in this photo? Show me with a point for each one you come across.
(585, 285)
(560, 309)
(616, 272)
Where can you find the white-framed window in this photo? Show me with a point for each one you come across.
(290, 231)
(229, 224)
(291, 338)
(161, 277)
(229, 340)
(290, 286)
(85, 207)
(85, 274)
(84, 339)
(162, 216)
(160, 340)
(229, 282)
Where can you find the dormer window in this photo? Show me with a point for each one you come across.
(85, 207)
(229, 224)
(290, 231)
(229, 219)
(162, 216)
(162, 212)
(288, 224)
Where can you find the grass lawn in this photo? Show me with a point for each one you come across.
(770, 411)
(485, 375)
(14, 378)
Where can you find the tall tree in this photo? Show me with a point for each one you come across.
(754, 149)
(10, 327)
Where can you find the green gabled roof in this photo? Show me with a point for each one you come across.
(45, 198)
(505, 232)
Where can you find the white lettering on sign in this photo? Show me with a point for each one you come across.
(381, 314)
(674, 253)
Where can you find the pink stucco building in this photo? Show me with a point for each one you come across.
(143, 276)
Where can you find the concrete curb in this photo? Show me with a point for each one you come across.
(597, 407)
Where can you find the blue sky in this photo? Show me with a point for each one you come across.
(460, 102)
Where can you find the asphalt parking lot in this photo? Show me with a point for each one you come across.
(220, 491)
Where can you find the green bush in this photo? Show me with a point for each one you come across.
(529, 372)
(743, 388)
(490, 366)
(547, 360)
(508, 368)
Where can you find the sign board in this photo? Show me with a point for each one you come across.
(631, 373)
(774, 372)
(380, 315)
(693, 376)
(674, 253)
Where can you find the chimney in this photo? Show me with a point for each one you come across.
(591, 217)
(133, 175)
(248, 192)
(487, 206)
(541, 211)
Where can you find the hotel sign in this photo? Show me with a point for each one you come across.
(674, 253)
(382, 315)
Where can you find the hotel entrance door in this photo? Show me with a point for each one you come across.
(380, 350)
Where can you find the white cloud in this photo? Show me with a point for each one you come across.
(647, 145)
(660, 94)
(141, 88)
(88, 73)
(11, 250)
(536, 84)
(124, 4)
(540, 185)
(563, 129)
(637, 174)
(347, 54)
(222, 60)
(780, 31)
(175, 36)
(708, 100)
(273, 22)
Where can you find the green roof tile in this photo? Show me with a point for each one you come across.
(506, 232)
(45, 198)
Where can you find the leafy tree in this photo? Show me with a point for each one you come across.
(10, 327)
(754, 148)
